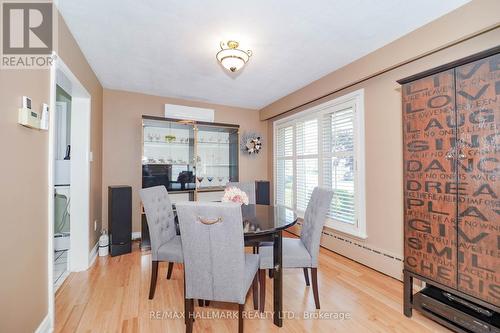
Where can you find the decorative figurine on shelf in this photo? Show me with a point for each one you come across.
(251, 143)
(170, 138)
(234, 194)
(200, 179)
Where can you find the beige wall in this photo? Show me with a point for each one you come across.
(24, 187)
(122, 139)
(24, 204)
(383, 141)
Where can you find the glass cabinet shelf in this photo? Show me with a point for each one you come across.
(189, 156)
(165, 143)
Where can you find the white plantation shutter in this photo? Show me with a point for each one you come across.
(338, 163)
(307, 180)
(321, 146)
(306, 161)
(307, 137)
(280, 182)
(284, 166)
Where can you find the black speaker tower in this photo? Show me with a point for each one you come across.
(120, 219)
(262, 196)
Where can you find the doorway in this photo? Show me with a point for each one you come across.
(62, 185)
(69, 177)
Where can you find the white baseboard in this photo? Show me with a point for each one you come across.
(378, 259)
(93, 254)
(362, 252)
(136, 235)
(44, 326)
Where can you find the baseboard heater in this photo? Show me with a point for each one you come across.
(455, 312)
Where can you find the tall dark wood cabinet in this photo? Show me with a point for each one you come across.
(478, 115)
(451, 135)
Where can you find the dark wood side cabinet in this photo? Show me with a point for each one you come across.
(451, 135)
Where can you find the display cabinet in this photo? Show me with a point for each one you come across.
(188, 156)
(193, 160)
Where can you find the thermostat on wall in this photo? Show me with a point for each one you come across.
(29, 118)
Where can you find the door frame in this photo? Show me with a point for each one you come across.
(79, 254)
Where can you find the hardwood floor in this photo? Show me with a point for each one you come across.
(112, 296)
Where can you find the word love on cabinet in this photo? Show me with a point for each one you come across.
(451, 129)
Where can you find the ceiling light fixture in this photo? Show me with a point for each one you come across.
(232, 58)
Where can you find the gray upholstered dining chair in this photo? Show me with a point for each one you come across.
(165, 244)
(247, 187)
(216, 267)
(301, 252)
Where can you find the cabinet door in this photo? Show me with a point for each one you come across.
(429, 177)
(168, 155)
(217, 152)
(478, 153)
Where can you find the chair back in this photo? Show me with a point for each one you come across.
(213, 248)
(314, 220)
(247, 187)
(160, 216)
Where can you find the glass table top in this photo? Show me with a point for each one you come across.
(263, 219)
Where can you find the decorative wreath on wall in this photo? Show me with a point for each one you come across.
(251, 143)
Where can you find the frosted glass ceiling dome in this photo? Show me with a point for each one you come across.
(232, 58)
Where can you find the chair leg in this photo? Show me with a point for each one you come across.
(271, 273)
(241, 307)
(306, 276)
(189, 315)
(170, 268)
(262, 282)
(314, 273)
(187, 304)
(255, 290)
(154, 276)
(186, 307)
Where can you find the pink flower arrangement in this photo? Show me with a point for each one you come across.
(234, 194)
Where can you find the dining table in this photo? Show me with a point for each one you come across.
(264, 223)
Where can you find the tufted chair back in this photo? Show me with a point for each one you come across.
(247, 187)
(160, 216)
(213, 247)
(314, 220)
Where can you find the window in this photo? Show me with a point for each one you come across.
(284, 167)
(324, 146)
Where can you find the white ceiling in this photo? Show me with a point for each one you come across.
(168, 47)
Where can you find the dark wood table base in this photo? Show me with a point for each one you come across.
(278, 278)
